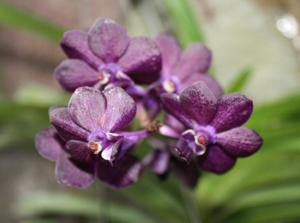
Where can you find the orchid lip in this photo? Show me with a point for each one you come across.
(203, 136)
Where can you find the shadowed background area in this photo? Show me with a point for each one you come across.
(256, 51)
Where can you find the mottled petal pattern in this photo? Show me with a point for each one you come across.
(199, 102)
(48, 144)
(195, 58)
(73, 175)
(142, 60)
(171, 103)
(233, 111)
(120, 111)
(108, 40)
(240, 141)
(209, 81)
(216, 160)
(121, 173)
(86, 107)
(67, 129)
(75, 45)
(72, 74)
(170, 51)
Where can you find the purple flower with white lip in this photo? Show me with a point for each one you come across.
(212, 133)
(182, 69)
(86, 139)
(107, 55)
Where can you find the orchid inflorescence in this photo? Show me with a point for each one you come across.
(117, 80)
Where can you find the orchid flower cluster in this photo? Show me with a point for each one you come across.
(117, 80)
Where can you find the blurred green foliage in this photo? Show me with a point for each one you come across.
(261, 189)
(241, 80)
(184, 21)
(15, 17)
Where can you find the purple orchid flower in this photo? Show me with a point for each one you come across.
(106, 55)
(212, 134)
(86, 139)
(180, 70)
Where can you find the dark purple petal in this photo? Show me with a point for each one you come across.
(142, 60)
(73, 175)
(120, 109)
(170, 51)
(108, 39)
(209, 81)
(233, 111)
(188, 173)
(196, 58)
(240, 141)
(158, 161)
(199, 102)
(122, 173)
(172, 105)
(216, 160)
(75, 45)
(48, 144)
(67, 129)
(72, 74)
(79, 151)
(87, 107)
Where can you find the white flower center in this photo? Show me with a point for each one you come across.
(103, 77)
(169, 86)
(95, 147)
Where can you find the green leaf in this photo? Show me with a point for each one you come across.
(19, 18)
(276, 194)
(40, 221)
(241, 80)
(38, 95)
(72, 204)
(184, 21)
(285, 212)
(162, 198)
(265, 168)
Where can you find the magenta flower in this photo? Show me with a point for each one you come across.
(86, 139)
(106, 55)
(212, 134)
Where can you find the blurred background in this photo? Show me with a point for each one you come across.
(256, 51)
